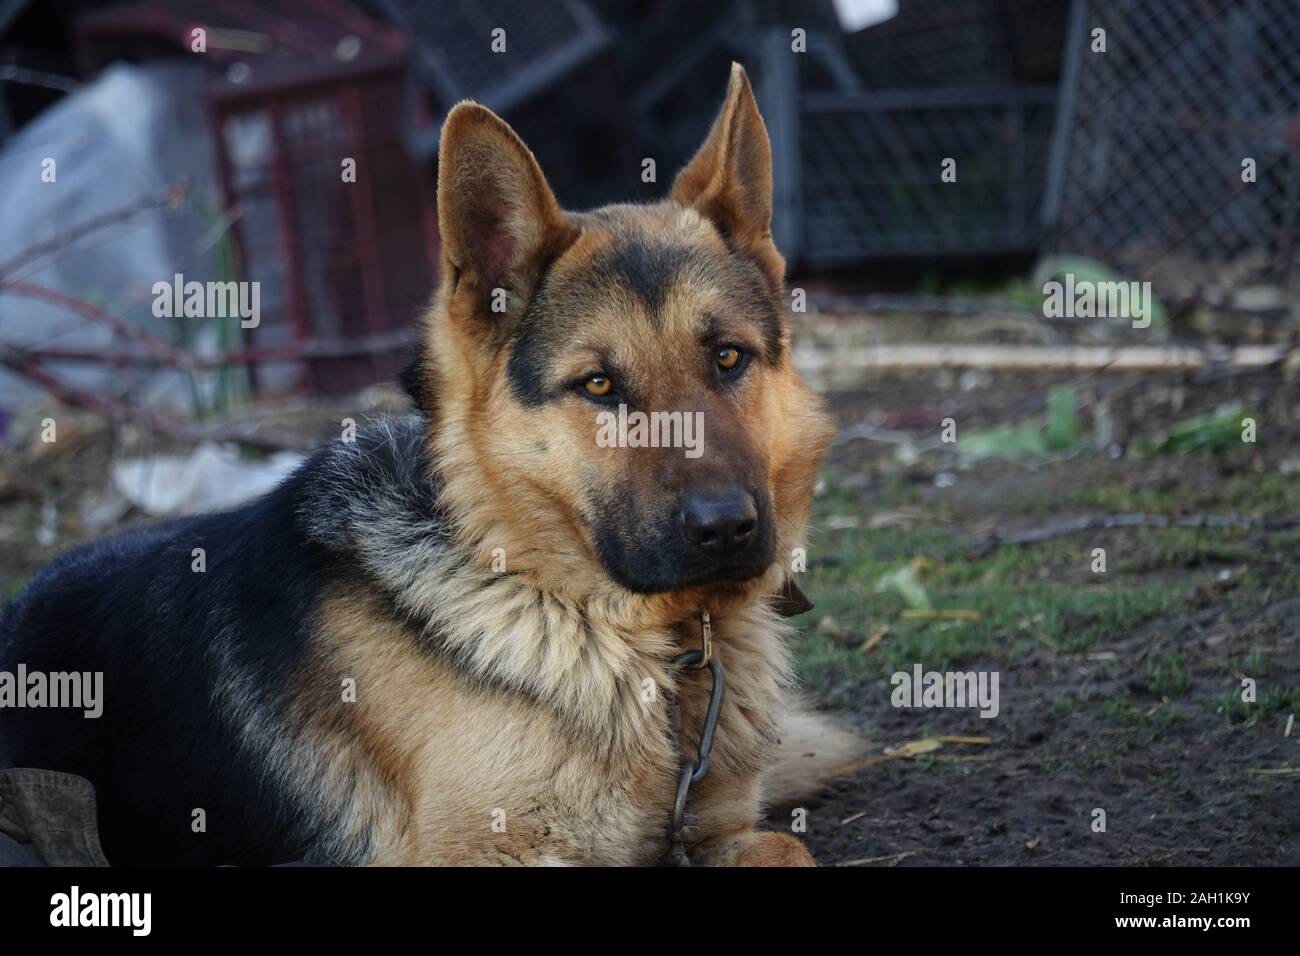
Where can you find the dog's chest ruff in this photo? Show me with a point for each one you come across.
(496, 723)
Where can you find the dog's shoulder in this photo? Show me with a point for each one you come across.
(382, 478)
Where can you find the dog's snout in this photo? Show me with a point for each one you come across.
(721, 524)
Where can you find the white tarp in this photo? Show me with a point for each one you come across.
(133, 133)
(211, 478)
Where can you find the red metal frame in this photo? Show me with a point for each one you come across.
(304, 73)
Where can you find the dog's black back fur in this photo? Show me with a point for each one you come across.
(172, 738)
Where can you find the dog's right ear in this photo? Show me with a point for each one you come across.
(501, 224)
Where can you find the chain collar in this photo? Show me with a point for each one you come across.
(684, 826)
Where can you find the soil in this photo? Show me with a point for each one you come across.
(1190, 794)
(1180, 781)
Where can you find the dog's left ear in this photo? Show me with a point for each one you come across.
(729, 181)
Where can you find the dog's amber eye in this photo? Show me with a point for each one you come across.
(728, 358)
(598, 385)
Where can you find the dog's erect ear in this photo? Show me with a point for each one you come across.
(500, 222)
(730, 179)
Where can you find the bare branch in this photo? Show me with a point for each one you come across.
(153, 344)
(120, 411)
(173, 197)
(324, 348)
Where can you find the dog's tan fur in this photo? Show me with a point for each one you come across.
(555, 725)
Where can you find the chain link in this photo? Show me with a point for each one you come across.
(684, 826)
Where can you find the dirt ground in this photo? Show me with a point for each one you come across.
(1119, 691)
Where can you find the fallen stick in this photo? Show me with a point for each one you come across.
(368, 345)
(945, 305)
(992, 539)
(894, 858)
(1123, 358)
(876, 637)
(1280, 772)
(872, 433)
(915, 614)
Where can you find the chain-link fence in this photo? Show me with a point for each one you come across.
(1177, 159)
(872, 164)
(875, 116)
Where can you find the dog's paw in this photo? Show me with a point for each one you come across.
(772, 849)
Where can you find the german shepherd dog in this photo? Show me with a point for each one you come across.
(451, 640)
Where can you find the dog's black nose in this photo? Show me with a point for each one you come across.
(722, 524)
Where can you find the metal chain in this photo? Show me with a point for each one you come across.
(684, 826)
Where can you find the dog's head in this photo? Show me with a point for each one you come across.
(609, 393)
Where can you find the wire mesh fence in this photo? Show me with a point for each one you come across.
(871, 169)
(876, 115)
(1177, 159)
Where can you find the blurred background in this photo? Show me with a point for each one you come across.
(1092, 141)
(225, 163)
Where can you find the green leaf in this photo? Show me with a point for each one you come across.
(907, 584)
(1219, 429)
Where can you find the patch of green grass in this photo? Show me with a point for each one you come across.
(1230, 706)
(1062, 704)
(1019, 606)
(1121, 710)
(1268, 494)
(1271, 493)
(1254, 663)
(1119, 496)
(1169, 676)
(1279, 700)
(1271, 702)
(1184, 548)
(1220, 429)
(1127, 712)
(1167, 714)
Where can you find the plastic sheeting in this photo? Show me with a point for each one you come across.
(132, 134)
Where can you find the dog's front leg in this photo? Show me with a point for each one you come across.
(728, 809)
(751, 848)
